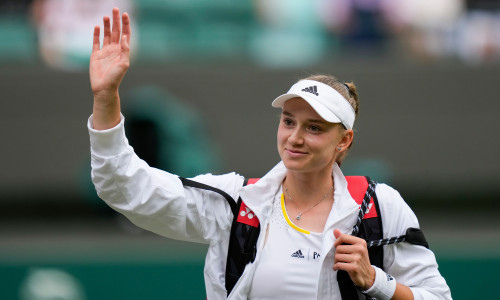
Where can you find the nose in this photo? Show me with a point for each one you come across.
(296, 137)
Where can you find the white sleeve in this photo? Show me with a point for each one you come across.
(412, 265)
(154, 199)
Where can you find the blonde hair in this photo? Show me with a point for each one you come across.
(347, 90)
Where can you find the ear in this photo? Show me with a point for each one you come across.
(346, 140)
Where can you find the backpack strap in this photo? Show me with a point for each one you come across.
(242, 249)
(199, 185)
(245, 230)
(413, 236)
(368, 226)
(369, 222)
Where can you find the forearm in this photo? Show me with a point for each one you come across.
(150, 198)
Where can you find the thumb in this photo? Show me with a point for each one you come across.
(337, 233)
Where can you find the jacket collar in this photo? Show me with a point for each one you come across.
(257, 196)
(344, 205)
(343, 213)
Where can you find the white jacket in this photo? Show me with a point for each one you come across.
(157, 201)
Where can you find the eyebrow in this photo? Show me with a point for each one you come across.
(321, 121)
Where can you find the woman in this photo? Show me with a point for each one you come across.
(302, 203)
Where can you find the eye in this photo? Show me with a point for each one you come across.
(288, 121)
(315, 128)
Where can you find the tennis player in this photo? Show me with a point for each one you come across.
(305, 211)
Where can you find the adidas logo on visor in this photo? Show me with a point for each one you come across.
(312, 90)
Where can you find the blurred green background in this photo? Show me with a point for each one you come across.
(197, 99)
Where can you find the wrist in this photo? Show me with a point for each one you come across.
(105, 96)
(383, 287)
(369, 283)
(106, 110)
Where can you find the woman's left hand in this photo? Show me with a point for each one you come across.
(351, 255)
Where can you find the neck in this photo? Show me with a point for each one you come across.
(308, 188)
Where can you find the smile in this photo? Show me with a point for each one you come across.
(295, 153)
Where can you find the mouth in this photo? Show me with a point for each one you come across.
(295, 152)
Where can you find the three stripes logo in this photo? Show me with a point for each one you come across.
(312, 90)
(298, 254)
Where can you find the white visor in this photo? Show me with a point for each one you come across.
(325, 100)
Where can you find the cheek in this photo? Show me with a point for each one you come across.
(325, 146)
(281, 136)
(279, 140)
(317, 142)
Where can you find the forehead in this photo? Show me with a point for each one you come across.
(299, 108)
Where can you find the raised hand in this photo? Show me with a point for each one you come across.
(108, 66)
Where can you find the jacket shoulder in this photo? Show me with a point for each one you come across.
(396, 214)
(230, 183)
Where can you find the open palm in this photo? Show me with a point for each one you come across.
(109, 64)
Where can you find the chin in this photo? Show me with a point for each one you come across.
(294, 165)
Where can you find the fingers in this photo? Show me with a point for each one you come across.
(125, 39)
(96, 44)
(107, 31)
(341, 238)
(115, 33)
(125, 56)
(348, 249)
(126, 27)
(356, 250)
(345, 258)
(112, 33)
(351, 255)
(347, 254)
